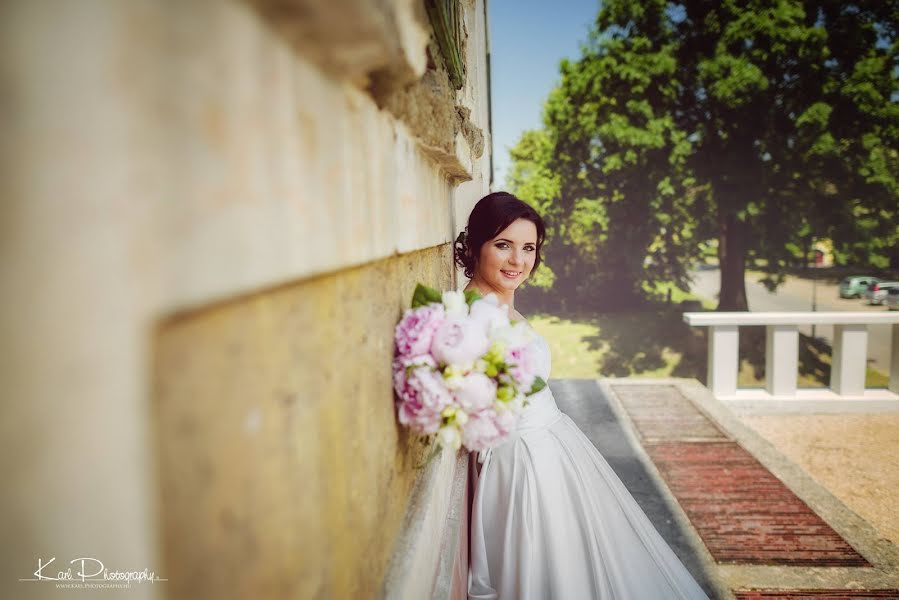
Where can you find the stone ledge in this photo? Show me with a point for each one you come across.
(419, 567)
(355, 40)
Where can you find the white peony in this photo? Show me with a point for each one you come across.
(517, 403)
(490, 314)
(449, 437)
(454, 303)
(476, 393)
(513, 335)
(453, 376)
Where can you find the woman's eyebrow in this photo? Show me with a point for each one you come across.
(511, 242)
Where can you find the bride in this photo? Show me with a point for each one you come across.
(549, 518)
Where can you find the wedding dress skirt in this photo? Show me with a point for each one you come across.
(551, 519)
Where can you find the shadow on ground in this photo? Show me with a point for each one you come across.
(647, 337)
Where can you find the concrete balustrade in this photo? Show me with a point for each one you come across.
(850, 344)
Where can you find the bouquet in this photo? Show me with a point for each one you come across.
(461, 369)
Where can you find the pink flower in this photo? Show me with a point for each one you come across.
(400, 365)
(506, 421)
(487, 429)
(522, 366)
(415, 331)
(422, 398)
(480, 432)
(459, 341)
(476, 393)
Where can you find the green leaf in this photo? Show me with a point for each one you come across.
(471, 296)
(424, 295)
(539, 384)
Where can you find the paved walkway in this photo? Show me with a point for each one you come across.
(747, 522)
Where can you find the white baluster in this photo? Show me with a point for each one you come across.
(781, 359)
(850, 352)
(723, 359)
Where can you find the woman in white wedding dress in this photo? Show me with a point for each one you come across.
(549, 517)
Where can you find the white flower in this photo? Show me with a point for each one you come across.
(517, 403)
(449, 437)
(514, 335)
(490, 314)
(454, 303)
(453, 376)
(459, 341)
(477, 392)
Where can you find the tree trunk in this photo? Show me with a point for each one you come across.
(732, 261)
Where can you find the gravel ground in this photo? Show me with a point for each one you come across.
(856, 457)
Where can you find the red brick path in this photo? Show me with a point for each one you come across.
(743, 513)
(816, 594)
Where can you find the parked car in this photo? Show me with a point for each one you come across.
(892, 300)
(856, 285)
(877, 291)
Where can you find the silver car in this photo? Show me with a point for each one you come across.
(877, 291)
(892, 300)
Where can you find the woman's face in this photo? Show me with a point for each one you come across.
(506, 260)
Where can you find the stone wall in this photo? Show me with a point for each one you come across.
(279, 451)
(213, 214)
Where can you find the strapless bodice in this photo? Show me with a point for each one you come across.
(541, 410)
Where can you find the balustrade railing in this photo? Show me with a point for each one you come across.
(848, 359)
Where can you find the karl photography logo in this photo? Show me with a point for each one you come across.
(88, 572)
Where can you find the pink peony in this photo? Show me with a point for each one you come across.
(459, 341)
(487, 429)
(506, 421)
(476, 392)
(422, 398)
(480, 432)
(400, 364)
(415, 331)
(522, 366)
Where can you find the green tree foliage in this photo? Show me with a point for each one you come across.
(761, 124)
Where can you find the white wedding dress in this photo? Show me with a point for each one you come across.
(551, 520)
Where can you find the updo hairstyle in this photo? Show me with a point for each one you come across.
(492, 214)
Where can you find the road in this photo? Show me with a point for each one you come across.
(795, 294)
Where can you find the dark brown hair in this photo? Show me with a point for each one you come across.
(493, 213)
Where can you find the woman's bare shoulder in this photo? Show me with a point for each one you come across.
(517, 316)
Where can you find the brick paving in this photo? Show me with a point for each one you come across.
(816, 594)
(660, 412)
(743, 513)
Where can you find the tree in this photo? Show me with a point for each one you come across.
(762, 124)
(620, 201)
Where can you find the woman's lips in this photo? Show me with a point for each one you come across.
(507, 274)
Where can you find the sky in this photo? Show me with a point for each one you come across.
(528, 39)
